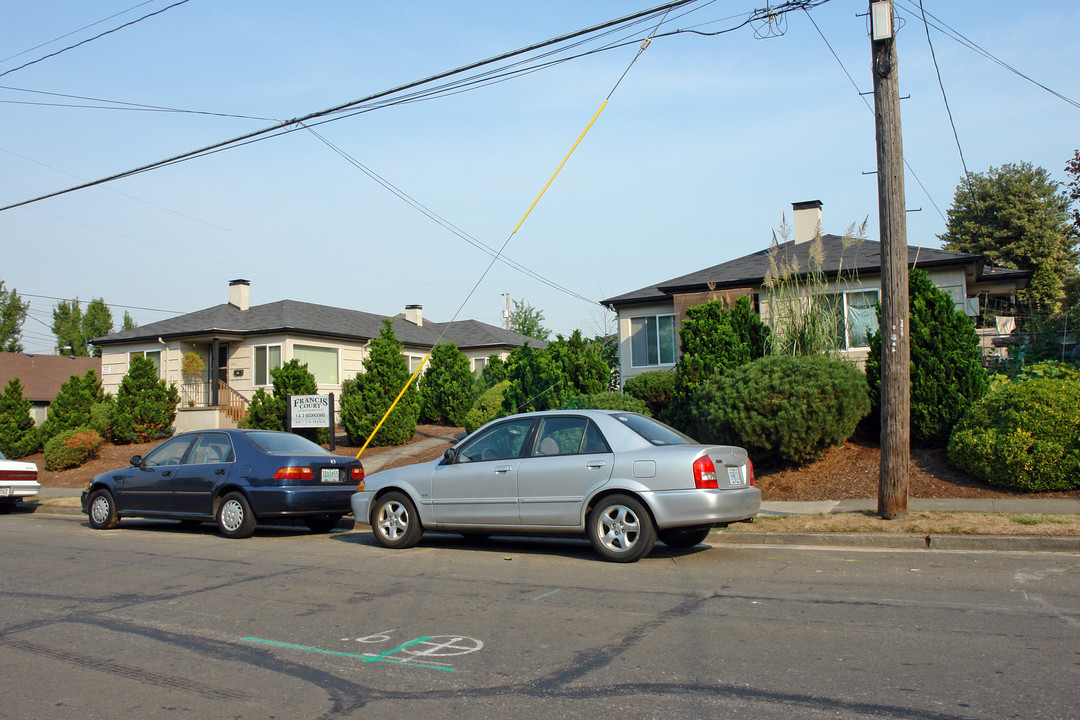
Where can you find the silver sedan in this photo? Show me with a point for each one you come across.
(622, 479)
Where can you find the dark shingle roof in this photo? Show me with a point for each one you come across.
(863, 257)
(300, 318)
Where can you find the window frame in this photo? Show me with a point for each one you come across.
(255, 363)
(843, 297)
(321, 348)
(653, 338)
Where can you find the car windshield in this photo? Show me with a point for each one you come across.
(654, 431)
(282, 443)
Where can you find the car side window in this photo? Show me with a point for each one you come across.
(211, 448)
(171, 452)
(501, 442)
(594, 441)
(559, 436)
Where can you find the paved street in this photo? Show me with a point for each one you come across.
(155, 620)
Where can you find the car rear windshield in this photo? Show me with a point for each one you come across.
(654, 431)
(285, 444)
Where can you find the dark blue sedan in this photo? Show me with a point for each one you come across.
(233, 477)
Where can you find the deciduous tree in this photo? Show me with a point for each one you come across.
(12, 314)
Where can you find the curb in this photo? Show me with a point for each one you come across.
(889, 541)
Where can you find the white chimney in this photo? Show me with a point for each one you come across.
(807, 217)
(415, 314)
(238, 293)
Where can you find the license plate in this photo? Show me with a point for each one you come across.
(5, 492)
(330, 475)
(734, 476)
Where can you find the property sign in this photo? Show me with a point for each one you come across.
(310, 411)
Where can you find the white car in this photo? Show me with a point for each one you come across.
(622, 479)
(18, 480)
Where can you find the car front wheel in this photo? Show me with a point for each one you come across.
(394, 521)
(621, 529)
(234, 517)
(102, 510)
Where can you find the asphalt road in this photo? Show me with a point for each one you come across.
(152, 620)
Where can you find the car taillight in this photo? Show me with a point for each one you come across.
(293, 472)
(750, 471)
(704, 473)
(18, 474)
(357, 473)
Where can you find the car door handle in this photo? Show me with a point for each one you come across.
(167, 473)
(595, 464)
(219, 471)
(504, 469)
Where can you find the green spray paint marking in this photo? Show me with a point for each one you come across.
(365, 658)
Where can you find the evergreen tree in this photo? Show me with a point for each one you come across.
(494, 372)
(947, 375)
(586, 372)
(527, 320)
(74, 329)
(145, 404)
(19, 436)
(537, 381)
(366, 398)
(12, 314)
(71, 407)
(446, 390)
(1017, 217)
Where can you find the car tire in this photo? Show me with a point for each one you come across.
(7, 506)
(322, 523)
(234, 517)
(683, 537)
(620, 529)
(395, 522)
(101, 509)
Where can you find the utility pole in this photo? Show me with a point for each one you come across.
(506, 312)
(895, 338)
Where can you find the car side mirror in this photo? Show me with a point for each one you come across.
(450, 456)
(136, 460)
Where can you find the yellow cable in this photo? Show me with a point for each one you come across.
(394, 404)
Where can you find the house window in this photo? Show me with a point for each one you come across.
(856, 321)
(267, 357)
(478, 365)
(153, 356)
(322, 362)
(415, 361)
(652, 340)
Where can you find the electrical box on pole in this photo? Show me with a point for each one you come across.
(895, 337)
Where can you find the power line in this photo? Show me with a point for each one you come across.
(296, 123)
(85, 27)
(118, 105)
(96, 37)
(944, 96)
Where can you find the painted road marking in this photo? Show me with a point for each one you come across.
(414, 653)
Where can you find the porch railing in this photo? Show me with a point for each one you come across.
(231, 403)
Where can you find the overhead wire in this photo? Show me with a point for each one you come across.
(96, 37)
(119, 105)
(944, 96)
(295, 124)
(77, 30)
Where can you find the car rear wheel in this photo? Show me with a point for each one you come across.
(322, 523)
(234, 517)
(102, 510)
(620, 529)
(683, 537)
(394, 521)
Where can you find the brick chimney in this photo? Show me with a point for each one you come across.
(807, 218)
(238, 293)
(415, 314)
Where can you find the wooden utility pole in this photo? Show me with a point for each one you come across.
(895, 338)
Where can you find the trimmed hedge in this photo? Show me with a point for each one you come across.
(1024, 435)
(606, 401)
(71, 448)
(656, 388)
(781, 409)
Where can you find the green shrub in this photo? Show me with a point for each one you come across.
(493, 373)
(71, 407)
(537, 381)
(366, 398)
(1023, 435)
(606, 401)
(947, 375)
(655, 388)
(145, 404)
(71, 448)
(487, 407)
(714, 339)
(446, 391)
(103, 417)
(787, 409)
(19, 436)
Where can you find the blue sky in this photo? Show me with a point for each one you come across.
(702, 148)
